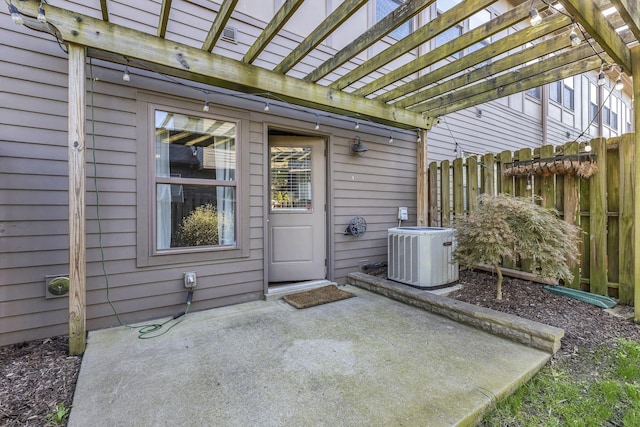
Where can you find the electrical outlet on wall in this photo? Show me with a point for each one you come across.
(403, 213)
(190, 280)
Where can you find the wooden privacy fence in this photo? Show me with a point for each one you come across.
(602, 204)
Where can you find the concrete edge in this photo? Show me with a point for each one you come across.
(481, 411)
(528, 332)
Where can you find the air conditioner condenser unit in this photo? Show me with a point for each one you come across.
(422, 256)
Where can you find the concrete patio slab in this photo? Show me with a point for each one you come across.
(364, 361)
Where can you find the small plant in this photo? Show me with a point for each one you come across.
(59, 414)
(503, 227)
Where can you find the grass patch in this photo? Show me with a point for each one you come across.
(608, 395)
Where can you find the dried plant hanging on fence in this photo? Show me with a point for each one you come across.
(565, 165)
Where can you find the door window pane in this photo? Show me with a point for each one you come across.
(291, 178)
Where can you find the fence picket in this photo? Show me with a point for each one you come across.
(598, 224)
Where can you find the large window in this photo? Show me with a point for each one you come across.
(194, 181)
(384, 8)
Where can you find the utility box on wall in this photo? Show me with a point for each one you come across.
(422, 256)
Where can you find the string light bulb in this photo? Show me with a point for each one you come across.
(15, 14)
(317, 126)
(573, 37)
(455, 150)
(125, 76)
(529, 183)
(619, 85)
(205, 107)
(534, 17)
(391, 137)
(357, 126)
(41, 15)
(602, 78)
(418, 139)
(266, 106)
(587, 146)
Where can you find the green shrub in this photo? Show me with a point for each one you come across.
(503, 227)
(200, 228)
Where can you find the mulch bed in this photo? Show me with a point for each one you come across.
(34, 378)
(37, 375)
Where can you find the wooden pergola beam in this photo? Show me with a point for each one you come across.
(326, 27)
(115, 43)
(163, 20)
(518, 84)
(493, 50)
(220, 21)
(629, 10)
(504, 64)
(281, 17)
(412, 41)
(499, 23)
(105, 10)
(77, 190)
(402, 13)
(587, 14)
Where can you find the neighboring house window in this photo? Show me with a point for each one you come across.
(568, 94)
(535, 92)
(195, 181)
(562, 92)
(453, 32)
(593, 101)
(476, 20)
(627, 118)
(385, 7)
(610, 113)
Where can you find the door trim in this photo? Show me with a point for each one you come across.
(329, 220)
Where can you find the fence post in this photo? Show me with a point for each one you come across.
(458, 188)
(635, 62)
(522, 191)
(506, 182)
(445, 206)
(626, 249)
(571, 208)
(433, 194)
(472, 183)
(598, 222)
(488, 161)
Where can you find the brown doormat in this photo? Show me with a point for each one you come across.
(317, 296)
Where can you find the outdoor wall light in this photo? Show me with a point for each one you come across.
(357, 146)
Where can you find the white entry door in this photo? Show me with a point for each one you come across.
(297, 222)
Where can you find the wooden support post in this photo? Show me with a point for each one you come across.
(77, 174)
(423, 180)
(625, 265)
(635, 60)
